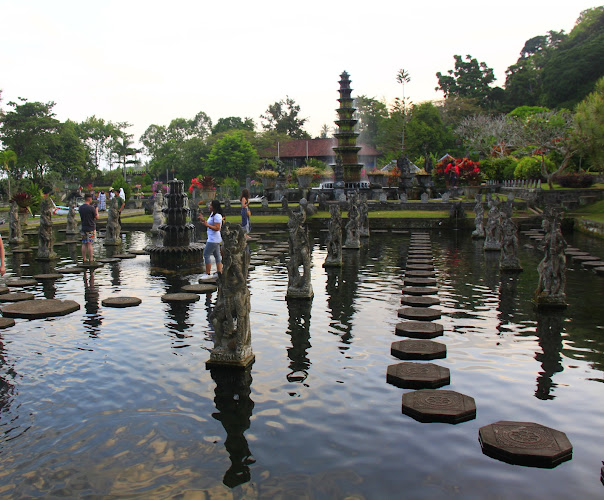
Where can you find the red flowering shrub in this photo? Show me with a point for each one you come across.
(463, 170)
(204, 184)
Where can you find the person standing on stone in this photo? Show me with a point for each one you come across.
(213, 223)
(2, 268)
(245, 212)
(88, 216)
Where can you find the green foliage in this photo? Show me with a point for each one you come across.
(371, 113)
(36, 197)
(469, 79)
(589, 126)
(232, 156)
(282, 116)
(499, 168)
(425, 132)
(523, 112)
(229, 188)
(317, 164)
(529, 167)
(118, 183)
(233, 123)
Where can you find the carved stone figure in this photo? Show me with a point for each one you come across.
(265, 202)
(353, 238)
(508, 260)
(363, 217)
(45, 234)
(231, 315)
(113, 229)
(284, 203)
(493, 228)
(551, 290)
(478, 233)
(15, 236)
(299, 285)
(424, 197)
(72, 225)
(334, 238)
(227, 203)
(158, 215)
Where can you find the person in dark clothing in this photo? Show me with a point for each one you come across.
(88, 216)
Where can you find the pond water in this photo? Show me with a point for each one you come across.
(118, 403)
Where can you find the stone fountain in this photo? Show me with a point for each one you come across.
(177, 249)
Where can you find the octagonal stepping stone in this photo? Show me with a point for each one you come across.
(48, 276)
(410, 375)
(109, 260)
(429, 405)
(59, 244)
(200, 288)
(138, 252)
(4, 289)
(182, 298)
(418, 329)
(40, 308)
(415, 252)
(419, 281)
(576, 253)
(419, 300)
(251, 268)
(415, 260)
(420, 267)
(419, 290)
(91, 265)
(277, 231)
(584, 258)
(414, 273)
(536, 237)
(425, 248)
(124, 256)
(16, 296)
(257, 262)
(70, 270)
(418, 349)
(18, 283)
(6, 323)
(591, 264)
(267, 241)
(399, 231)
(525, 443)
(419, 313)
(121, 301)
(599, 270)
(22, 250)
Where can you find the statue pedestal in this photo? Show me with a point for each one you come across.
(544, 301)
(227, 360)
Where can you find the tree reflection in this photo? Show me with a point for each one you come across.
(549, 332)
(234, 409)
(299, 331)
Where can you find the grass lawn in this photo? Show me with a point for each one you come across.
(595, 211)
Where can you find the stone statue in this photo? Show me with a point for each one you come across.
(299, 286)
(72, 225)
(508, 260)
(334, 238)
(45, 233)
(280, 167)
(551, 290)
(231, 315)
(227, 203)
(478, 233)
(264, 202)
(113, 230)
(493, 228)
(284, 203)
(15, 236)
(353, 238)
(364, 217)
(158, 215)
(309, 209)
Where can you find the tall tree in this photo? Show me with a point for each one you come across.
(97, 134)
(426, 132)
(122, 147)
(232, 123)
(282, 116)
(371, 114)
(8, 159)
(469, 79)
(589, 126)
(68, 154)
(232, 156)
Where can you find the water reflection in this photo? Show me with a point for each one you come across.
(6, 377)
(93, 320)
(507, 300)
(233, 410)
(549, 332)
(299, 331)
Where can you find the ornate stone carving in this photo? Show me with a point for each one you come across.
(284, 203)
(113, 229)
(334, 238)
(15, 234)
(231, 316)
(158, 215)
(363, 217)
(45, 233)
(551, 290)
(299, 285)
(353, 238)
(479, 232)
(493, 228)
(509, 260)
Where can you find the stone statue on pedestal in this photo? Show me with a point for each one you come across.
(353, 238)
(363, 217)
(284, 203)
(508, 260)
(478, 233)
(493, 228)
(158, 215)
(45, 234)
(15, 236)
(113, 229)
(299, 286)
(231, 315)
(334, 238)
(72, 225)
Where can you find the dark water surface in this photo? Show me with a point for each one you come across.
(117, 403)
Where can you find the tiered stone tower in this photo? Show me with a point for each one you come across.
(347, 147)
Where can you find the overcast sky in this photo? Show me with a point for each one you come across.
(148, 61)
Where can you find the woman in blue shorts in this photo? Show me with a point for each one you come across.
(213, 223)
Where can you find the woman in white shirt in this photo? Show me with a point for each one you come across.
(213, 223)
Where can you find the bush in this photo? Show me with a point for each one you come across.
(118, 183)
(529, 167)
(575, 180)
(499, 169)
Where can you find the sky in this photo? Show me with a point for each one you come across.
(148, 62)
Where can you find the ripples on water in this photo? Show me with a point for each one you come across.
(117, 402)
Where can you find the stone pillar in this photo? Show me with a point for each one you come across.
(113, 229)
(231, 315)
(334, 238)
(45, 233)
(353, 238)
(299, 286)
(15, 236)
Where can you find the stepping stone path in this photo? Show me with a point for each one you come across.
(409, 375)
(71, 242)
(420, 267)
(19, 283)
(3, 289)
(40, 308)
(91, 265)
(6, 323)
(200, 288)
(591, 264)
(124, 256)
(16, 296)
(419, 281)
(138, 252)
(418, 349)
(413, 273)
(419, 290)
(584, 258)
(211, 279)
(109, 260)
(70, 270)
(22, 250)
(419, 300)
(182, 298)
(48, 276)
(267, 241)
(121, 301)
(525, 443)
(599, 270)
(419, 313)
(428, 405)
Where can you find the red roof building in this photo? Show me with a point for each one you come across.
(294, 153)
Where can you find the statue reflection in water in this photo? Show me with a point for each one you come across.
(93, 320)
(234, 411)
(549, 332)
(299, 331)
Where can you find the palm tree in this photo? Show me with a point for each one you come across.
(8, 157)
